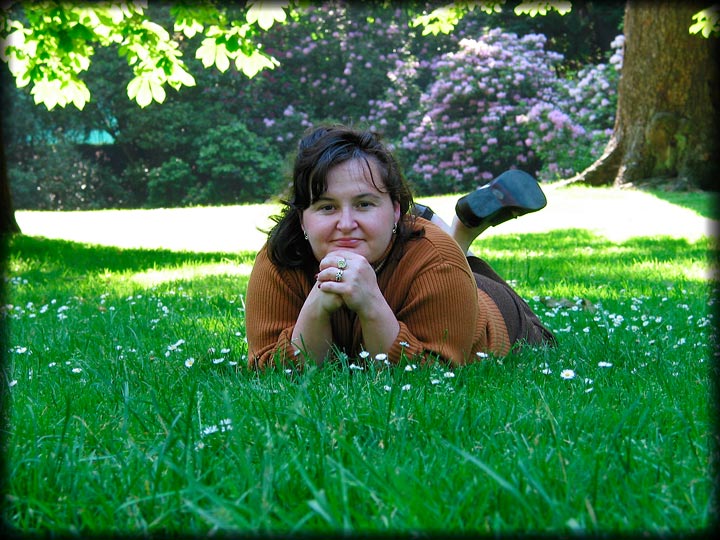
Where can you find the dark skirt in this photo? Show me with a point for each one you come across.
(522, 324)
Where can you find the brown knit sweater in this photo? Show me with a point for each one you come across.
(430, 288)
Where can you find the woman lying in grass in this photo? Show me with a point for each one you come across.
(352, 265)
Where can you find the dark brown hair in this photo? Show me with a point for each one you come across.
(320, 150)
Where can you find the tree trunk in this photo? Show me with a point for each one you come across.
(667, 102)
(8, 225)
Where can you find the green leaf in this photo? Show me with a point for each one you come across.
(221, 58)
(440, 20)
(206, 52)
(542, 7)
(707, 22)
(47, 93)
(79, 94)
(181, 76)
(266, 13)
(156, 29)
(232, 43)
(158, 92)
(139, 90)
(211, 53)
(54, 92)
(491, 6)
(251, 65)
(188, 27)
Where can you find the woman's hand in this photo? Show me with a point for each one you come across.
(351, 277)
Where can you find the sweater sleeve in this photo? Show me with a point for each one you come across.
(273, 301)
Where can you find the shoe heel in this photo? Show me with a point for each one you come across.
(473, 209)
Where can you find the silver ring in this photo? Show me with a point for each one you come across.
(339, 275)
(342, 263)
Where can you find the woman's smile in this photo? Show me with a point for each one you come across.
(347, 243)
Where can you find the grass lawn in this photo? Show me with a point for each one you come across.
(129, 410)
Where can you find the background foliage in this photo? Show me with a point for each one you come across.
(228, 138)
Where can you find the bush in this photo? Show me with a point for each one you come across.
(336, 61)
(465, 130)
(456, 111)
(235, 165)
(571, 135)
(169, 184)
(56, 176)
(498, 103)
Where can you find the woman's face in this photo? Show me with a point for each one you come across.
(352, 215)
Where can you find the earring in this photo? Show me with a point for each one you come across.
(394, 230)
(305, 234)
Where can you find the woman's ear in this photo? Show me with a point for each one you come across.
(302, 225)
(396, 206)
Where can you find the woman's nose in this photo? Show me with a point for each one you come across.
(347, 219)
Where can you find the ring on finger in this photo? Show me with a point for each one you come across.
(342, 263)
(339, 275)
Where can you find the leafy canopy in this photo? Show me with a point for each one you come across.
(445, 18)
(49, 45)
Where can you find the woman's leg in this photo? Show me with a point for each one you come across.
(510, 195)
(522, 323)
(462, 234)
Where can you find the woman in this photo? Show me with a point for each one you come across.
(349, 268)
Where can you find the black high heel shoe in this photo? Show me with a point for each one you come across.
(512, 194)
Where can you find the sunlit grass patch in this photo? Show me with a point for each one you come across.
(190, 272)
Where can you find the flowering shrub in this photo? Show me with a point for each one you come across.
(498, 103)
(457, 111)
(570, 136)
(389, 114)
(594, 91)
(465, 129)
(336, 60)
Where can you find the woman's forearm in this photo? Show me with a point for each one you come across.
(380, 328)
(312, 335)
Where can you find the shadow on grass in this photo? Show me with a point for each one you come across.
(702, 203)
(66, 258)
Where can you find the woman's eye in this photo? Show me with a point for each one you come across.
(365, 204)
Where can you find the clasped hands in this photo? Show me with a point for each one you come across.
(348, 276)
